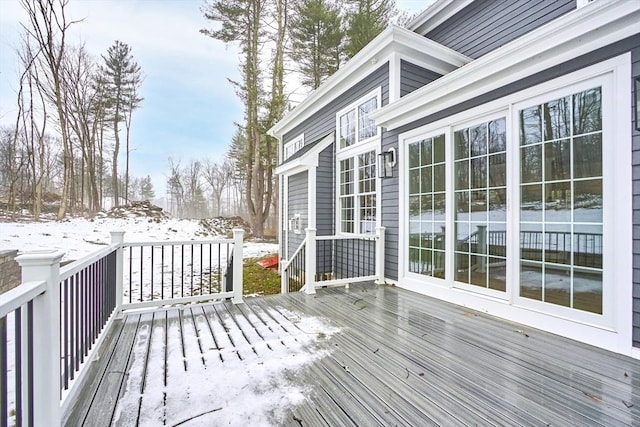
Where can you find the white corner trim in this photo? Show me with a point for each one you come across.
(394, 77)
(574, 34)
(369, 59)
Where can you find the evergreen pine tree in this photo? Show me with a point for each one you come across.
(368, 19)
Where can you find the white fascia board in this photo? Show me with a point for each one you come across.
(394, 39)
(307, 161)
(576, 33)
(436, 14)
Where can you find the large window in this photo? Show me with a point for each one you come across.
(354, 123)
(357, 196)
(561, 201)
(293, 147)
(512, 205)
(359, 140)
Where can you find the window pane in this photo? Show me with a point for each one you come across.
(414, 181)
(414, 155)
(587, 246)
(461, 138)
(531, 164)
(531, 280)
(498, 170)
(556, 119)
(462, 174)
(531, 203)
(497, 205)
(426, 152)
(498, 135)
(366, 126)
(426, 178)
(557, 285)
(478, 172)
(557, 206)
(438, 149)
(587, 156)
(531, 125)
(557, 163)
(438, 178)
(478, 140)
(587, 111)
(587, 201)
(348, 129)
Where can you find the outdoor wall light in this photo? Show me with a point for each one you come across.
(637, 93)
(387, 160)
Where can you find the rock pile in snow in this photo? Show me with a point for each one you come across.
(221, 226)
(135, 210)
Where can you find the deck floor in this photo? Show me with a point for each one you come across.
(387, 357)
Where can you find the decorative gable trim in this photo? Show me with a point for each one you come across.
(394, 39)
(307, 160)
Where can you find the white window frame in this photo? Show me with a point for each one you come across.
(353, 151)
(612, 329)
(292, 147)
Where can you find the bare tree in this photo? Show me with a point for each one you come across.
(218, 176)
(48, 26)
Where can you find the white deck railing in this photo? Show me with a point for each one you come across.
(335, 261)
(53, 323)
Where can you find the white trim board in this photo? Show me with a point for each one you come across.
(576, 33)
(307, 160)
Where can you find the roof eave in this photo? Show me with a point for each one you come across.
(576, 33)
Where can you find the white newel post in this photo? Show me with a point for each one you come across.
(238, 234)
(284, 286)
(39, 266)
(310, 262)
(380, 256)
(117, 238)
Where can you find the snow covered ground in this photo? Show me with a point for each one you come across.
(79, 237)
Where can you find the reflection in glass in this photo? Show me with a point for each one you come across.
(587, 290)
(587, 201)
(557, 119)
(587, 156)
(531, 125)
(462, 174)
(588, 246)
(587, 111)
(557, 163)
(557, 285)
(478, 172)
(478, 140)
(348, 129)
(426, 154)
(557, 243)
(498, 135)
(557, 205)
(531, 280)
(426, 179)
(496, 275)
(531, 164)
(414, 181)
(414, 155)
(438, 149)
(531, 202)
(498, 170)
(438, 178)
(461, 140)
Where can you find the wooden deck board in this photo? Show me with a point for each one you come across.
(398, 358)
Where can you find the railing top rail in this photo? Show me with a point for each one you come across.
(17, 297)
(177, 242)
(79, 265)
(287, 263)
(349, 237)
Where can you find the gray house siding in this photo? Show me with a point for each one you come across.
(413, 77)
(635, 73)
(486, 25)
(631, 44)
(298, 204)
(325, 213)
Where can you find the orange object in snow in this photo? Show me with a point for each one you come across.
(271, 262)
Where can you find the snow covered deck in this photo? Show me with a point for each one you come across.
(368, 355)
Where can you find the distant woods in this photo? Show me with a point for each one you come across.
(309, 38)
(74, 113)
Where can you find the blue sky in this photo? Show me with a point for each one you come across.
(189, 108)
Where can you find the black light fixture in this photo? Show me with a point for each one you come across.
(637, 92)
(387, 160)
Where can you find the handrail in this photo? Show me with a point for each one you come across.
(17, 297)
(177, 242)
(77, 266)
(288, 262)
(349, 236)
